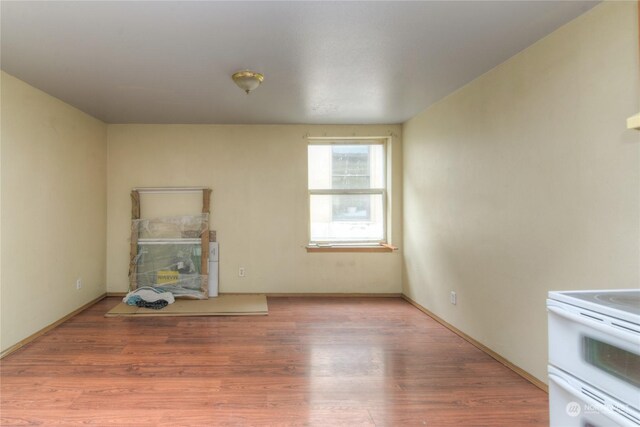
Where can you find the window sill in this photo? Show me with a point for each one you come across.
(383, 247)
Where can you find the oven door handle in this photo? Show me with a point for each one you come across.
(607, 413)
(602, 327)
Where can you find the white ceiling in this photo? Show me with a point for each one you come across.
(324, 62)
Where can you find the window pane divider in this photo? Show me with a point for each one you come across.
(359, 141)
(348, 191)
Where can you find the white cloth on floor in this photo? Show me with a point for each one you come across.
(148, 294)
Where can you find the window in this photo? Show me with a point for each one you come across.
(347, 194)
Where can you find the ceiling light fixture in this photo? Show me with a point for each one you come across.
(247, 80)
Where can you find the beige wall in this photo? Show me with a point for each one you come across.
(259, 205)
(525, 181)
(53, 206)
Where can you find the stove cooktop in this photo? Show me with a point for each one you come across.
(621, 303)
(628, 301)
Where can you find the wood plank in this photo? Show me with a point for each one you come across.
(312, 361)
(204, 237)
(135, 204)
(206, 200)
(133, 248)
(50, 327)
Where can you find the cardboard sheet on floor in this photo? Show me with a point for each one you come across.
(224, 305)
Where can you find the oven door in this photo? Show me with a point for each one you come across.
(592, 348)
(573, 403)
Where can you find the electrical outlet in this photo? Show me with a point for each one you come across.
(453, 298)
(241, 272)
(79, 283)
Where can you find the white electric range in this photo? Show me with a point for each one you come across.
(594, 358)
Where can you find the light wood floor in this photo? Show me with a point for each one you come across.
(312, 361)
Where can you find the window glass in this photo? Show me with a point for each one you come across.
(350, 166)
(347, 192)
(337, 218)
(346, 166)
(616, 361)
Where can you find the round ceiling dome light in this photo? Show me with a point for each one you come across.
(247, 80)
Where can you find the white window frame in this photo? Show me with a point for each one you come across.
(368, 191)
